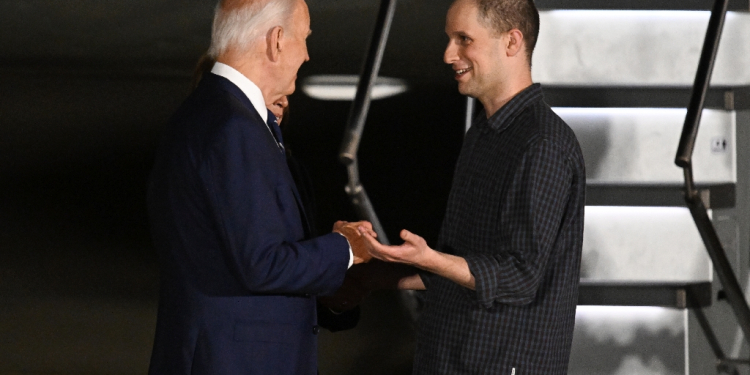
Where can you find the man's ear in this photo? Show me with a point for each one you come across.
(274, 42)
(514, 43)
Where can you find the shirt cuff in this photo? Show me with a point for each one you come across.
(351, 253)
(351, 256)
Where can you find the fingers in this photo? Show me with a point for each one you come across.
(366, 224)
(338, 225)
(411, 238)
(377, 250)
(409, 252)
(368, 238)
(369, 231)
(373, 242)
(367, 235)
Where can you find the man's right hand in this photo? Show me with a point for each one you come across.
(360, 247)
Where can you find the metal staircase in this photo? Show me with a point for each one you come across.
(708, 201)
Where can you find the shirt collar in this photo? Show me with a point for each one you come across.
(250, 89)
(507, 113)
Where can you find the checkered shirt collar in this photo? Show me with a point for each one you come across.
(505, 115)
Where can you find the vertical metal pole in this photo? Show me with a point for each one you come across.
(358, 116)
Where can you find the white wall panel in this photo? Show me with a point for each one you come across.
(636, 48)
(638, 145)
(643, 244)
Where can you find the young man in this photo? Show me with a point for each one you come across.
(502, 286)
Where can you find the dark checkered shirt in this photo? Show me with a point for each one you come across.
(515, 213)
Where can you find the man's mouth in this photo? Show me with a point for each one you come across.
(461, 72)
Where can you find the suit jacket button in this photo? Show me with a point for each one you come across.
(316, 329)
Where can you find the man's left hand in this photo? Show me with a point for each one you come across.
(413, 251)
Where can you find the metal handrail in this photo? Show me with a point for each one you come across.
(683, 159)
(358, 116)
(701, 83)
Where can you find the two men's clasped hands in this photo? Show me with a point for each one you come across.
(353, 233)
(365, 246)
(383, 272)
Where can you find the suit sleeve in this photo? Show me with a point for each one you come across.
(530, 221)
(257, 217)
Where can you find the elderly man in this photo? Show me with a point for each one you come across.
(239, 269)
(501, 290)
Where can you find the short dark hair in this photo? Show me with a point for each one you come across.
(505, 15)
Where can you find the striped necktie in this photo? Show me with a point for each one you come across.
(276, 130)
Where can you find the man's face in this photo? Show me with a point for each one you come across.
(475, 52)
(294, 52)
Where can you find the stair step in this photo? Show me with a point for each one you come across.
(638, 4)
(721, 97)
(714, 196)
(679, 295)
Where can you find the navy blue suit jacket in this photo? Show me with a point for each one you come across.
(238, 276)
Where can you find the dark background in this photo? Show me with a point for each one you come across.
(86, 87)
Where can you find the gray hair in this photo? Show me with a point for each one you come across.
(238, 26)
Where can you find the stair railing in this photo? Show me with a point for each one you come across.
(695, 204)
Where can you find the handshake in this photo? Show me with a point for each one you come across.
(355, 234)
(362, 238)
(394, 267)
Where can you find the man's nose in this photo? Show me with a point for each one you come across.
(450, 56)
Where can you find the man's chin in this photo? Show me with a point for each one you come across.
(463, 89)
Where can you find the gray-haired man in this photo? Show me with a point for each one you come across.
(239, 270)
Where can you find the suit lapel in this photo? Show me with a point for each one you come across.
(235, 91)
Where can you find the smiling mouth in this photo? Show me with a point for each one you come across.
(461, 72)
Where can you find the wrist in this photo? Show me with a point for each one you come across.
(429, 261)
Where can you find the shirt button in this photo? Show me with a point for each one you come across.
(316, 329)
